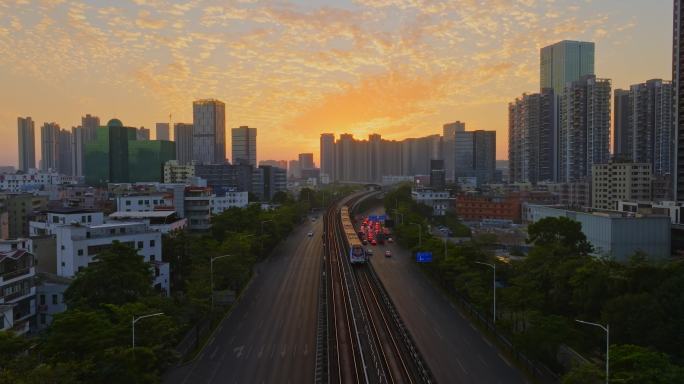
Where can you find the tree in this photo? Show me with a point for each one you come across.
(280, 197)
(584, 374)
(631, 364)
(559, 230)
(118, 276)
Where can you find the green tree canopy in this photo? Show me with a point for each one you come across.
(118, 276)
(559, 230)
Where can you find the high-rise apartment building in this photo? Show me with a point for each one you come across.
(620, 181)
(162, 131)
(65, 153)
(437, 175)
(646, 135)
(678, 85)
(306, 161)
(565, 62)
(448, 146)
(532, 141)
(90, 124)
(293, 169)
(622, 140)
(142, 133)
(49, 146)
(327, 154)
(182, 134)
(209, 131)
(77, 150)
(244, 145)
(27, 143)
(584, 130)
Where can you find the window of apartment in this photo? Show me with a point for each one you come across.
(152, 257)
(122, 230)
(80, 252)
(139, 202)
(87, 235)
(54, 299)
(90, 219)
(112, 231)
(42, 299)
(128, 202)
(140, 245)
(151, 243)
(55, 219)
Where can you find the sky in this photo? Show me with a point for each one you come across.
(294, 69)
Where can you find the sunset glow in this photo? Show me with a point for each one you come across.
(294, 69)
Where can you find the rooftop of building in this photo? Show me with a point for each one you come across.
(69, 210)
(142, 215)
(603, 212)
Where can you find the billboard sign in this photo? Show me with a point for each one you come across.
(424, 257)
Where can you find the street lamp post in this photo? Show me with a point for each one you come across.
(396, 212)
(211, 277)
(420, 233)
(135, 320)
(446, 254)
(607, 330)
(493, 267)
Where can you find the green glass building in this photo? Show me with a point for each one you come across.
(146, 159)
(115, 156)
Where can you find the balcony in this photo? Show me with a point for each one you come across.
(6, 277)
(19, 295)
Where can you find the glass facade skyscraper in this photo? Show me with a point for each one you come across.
(565, 62)
(244, 145)
(209, 131)
(115, 156)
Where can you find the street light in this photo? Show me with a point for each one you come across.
(135, 320)
(211, 277)
(396, 212)
(493, 267)
(607, 329)
(420, 233)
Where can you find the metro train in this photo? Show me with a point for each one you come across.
(357, 254)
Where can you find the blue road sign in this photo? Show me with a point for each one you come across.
(424, 257)
(377, 217)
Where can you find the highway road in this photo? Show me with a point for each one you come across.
(455, 350)
(270, 336)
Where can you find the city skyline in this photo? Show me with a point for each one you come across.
(354, 71)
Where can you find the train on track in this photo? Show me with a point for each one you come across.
(357, 254)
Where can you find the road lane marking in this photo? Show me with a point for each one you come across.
(261, 351)
(461, 365)
(482, 360)
(282, 353)
(238, 351)
(211, 357)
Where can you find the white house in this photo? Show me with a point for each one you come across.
(438, 200)
(144, 203)
(45, 223)
(77, 245)
(229, 200)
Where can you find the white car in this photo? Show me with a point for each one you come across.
(310, 234)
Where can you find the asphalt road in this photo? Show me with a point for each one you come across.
(270, 336)
(455, 350)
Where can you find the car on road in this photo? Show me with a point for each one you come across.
(369, 252)
(310, 234)
(364, 242)
(390, 240)
(388, 253)
(373, 242)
